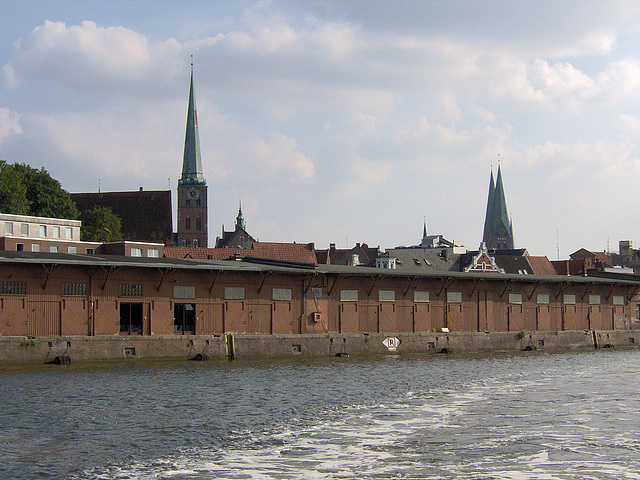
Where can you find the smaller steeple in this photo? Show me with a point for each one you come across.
(424, 230)
(240, 223)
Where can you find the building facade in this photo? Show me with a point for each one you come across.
(64, 295)
(145, 215)
(40, 234)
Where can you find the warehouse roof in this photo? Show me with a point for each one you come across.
(248, 264)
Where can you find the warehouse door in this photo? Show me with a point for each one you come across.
(43, 319)
(131, 319)
(184, 318)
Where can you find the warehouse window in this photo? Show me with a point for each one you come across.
(348, 295)
(515, 298)
(127, 290)
(281, 294)
(454, 297)
(13, 288)
(234, 293)
(386, 296)
(594, 299)
(543, 298)
(74, 289)
(420, 297)
(569, 299)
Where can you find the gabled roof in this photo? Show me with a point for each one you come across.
(582, 253)
(289, 252)
(343, 256)
(428, 260)
(514, 264)
(541, 265)
(596, 257)
(510, 251)
(239, 238)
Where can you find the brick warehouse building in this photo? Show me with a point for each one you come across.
(93, 295)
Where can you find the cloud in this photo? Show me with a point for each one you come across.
(81, 54)
(91, 59)
(9, 124)
(278, 158)
(123, 147)
(381, 106)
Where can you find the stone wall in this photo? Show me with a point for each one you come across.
(91, 348)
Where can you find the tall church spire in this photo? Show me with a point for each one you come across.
(488, 219)
(498, 230)
(192, 187)
(191, 161)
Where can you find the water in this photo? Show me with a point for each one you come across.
(524, 416)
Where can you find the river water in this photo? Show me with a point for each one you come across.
(516, 416)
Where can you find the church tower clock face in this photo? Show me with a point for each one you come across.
(193, 193)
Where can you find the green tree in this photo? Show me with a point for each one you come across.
(45, 195)
(100, 224)
(13, 191)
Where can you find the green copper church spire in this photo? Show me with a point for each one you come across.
(488, 218)
(191, 161)
(498, 228)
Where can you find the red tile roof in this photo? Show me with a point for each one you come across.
(289, 252)
(541, 265)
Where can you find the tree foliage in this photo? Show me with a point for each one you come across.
(100, 224)
(13, 191)
(28, 191)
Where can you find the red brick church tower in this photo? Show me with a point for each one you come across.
(192, 187)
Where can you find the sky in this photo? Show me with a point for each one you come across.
(341, 121)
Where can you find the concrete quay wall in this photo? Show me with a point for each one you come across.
(91, 348)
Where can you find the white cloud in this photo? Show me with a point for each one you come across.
(80, 54)
(558, 82)
(9, 124)
(279, 158)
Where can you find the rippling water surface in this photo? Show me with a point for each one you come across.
(536, 415)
